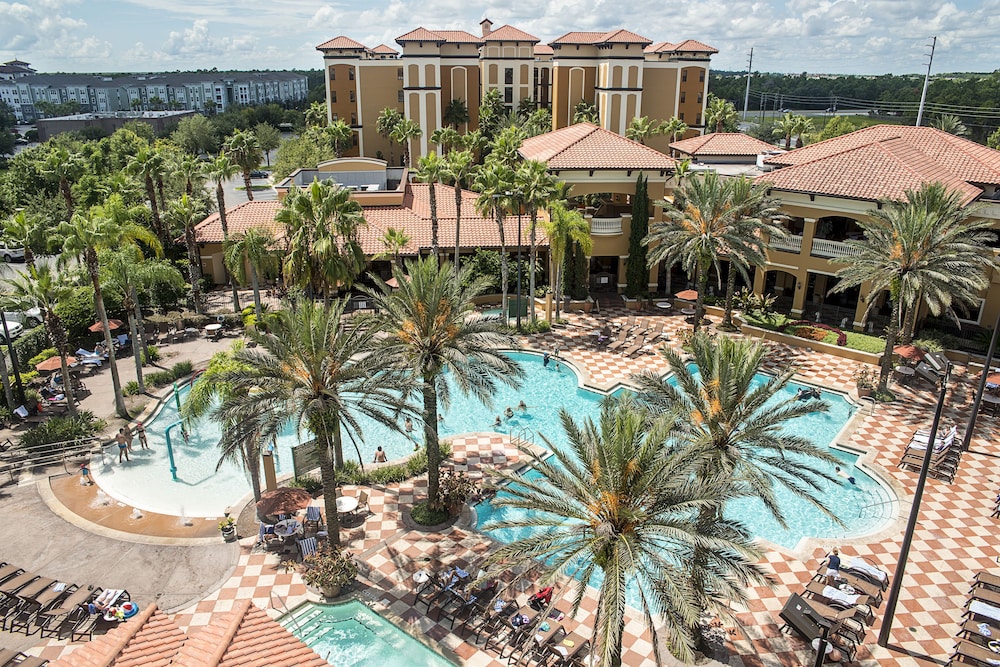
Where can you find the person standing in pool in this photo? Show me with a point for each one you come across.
(127, 432)
(85, 479)
(408, 425)
(122, 446)
(497, 423)
(140, 430)
(379, 456)
(508, 413)
(545, 359)
(522, 406)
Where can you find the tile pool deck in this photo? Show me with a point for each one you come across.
(955, 536)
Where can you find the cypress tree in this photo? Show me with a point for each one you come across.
(636, 271)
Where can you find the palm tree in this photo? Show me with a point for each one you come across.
(123, 272)
(494, 182)
(563, 228)
(446, 139)
(535, 187)
(427, 331)
(585, 113)
(218, 170)
(700, 234)
(339, 134)
(147, 164)
(244, 150)
(951, 124)
(721, 114)
(456, 113)
(431, 168)
(925, 247)
(386, 122)
(615, 510)
(460, 170)
(254, 249)
(313, 371)
(185, 213)
(322, 224)
(102, 227)
(44, 289)
(25, 230)
(316, 115)
(786, 127)
(64, 167)
(189, 169)
(640, 129)
(405, 131)
(803, 126)
(394, 241)
(730, 429)
(673, 128)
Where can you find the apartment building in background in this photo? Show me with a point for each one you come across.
(622, 73)
(178, 91)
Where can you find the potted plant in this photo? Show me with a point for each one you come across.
(864, 380)
(330, 570)
(228, 529)
(454, 489)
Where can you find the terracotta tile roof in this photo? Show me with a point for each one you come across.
(148, 639)
(693, 45)
(543, 50)
(658, 47)
(420, 35)
(383, 48)
(967, 160)
(877, 170)
(458, 37)
(586, 146)
(578, 38)
(722, 143)
(624, 37)
(239, 218)
(509, 33)
(245, 637)
(340, 42)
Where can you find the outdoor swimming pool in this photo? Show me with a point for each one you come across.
(352, 635)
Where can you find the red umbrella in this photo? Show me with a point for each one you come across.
(993, 378)
(393, 283)
(53, 364)
(909, 352)
(283, 501)
(97, 327)
(687, 295)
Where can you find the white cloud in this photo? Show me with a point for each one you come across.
(46, 27)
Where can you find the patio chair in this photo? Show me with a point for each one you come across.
(838, 597)
(969, 652)
(860, 567)
(874, 591)
(307, 546)
(637, 345)
(936, 360)
(927, 373)
(619, 341)
(362, 502)
(268, 538)
(987, 595)
(313, 520)
(51, 620)
(801, 615)
(985, 579)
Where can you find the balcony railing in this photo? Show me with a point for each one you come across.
(605, 226)
(832, 249)
(786, 243)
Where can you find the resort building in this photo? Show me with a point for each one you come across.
(625, 75)
(108, 123)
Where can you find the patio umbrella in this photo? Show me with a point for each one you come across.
(53, 364)
(993, 378)
(909, 352)
(283, 501)
(393, 283)
(687, 295)
(97, 327)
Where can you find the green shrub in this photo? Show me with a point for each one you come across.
(47, 353)
(307, 482)
(160, 378)
(26, 377)
(423, 514)
(181, 369)
(131, 388)
(151, 356)
(60, 429)
(29, 345)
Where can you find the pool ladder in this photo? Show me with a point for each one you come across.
(524, 436)
(295, 621)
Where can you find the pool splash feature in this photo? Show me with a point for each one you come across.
(352, 635)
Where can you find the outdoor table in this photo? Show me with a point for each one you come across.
(287, 528)
(212, 329)
(346, 504)
(905, 374)
(992, 402)
(663, 305)
(688, 311)
(570, 645)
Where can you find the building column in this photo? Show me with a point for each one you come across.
(758, 280)
(622, 273)
(799, 297)
(808, 234)
(859, 312)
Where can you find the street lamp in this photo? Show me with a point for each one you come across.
(823, 640)
(518, 195)
(911, 523)
(982, 386)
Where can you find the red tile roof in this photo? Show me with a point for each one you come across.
(509, 33)
(148, 639)
(543, 50)
(620, 36)
(458, 37)
(659, 47)
(722, 143)
(245, 637)
(877, 170)
(578, 38)
(420, 35)
(384, 48)
(239, 218)
(586, 146)
(340, 42)
(693, 45)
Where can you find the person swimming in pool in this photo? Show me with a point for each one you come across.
(845, 475)
(545, 359)
(508, 413)
(522, 406)
(804, 394)
(497, 423)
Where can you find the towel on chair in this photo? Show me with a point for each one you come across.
(921, 438)
(983, 609)
(840, 596)
(870, 570)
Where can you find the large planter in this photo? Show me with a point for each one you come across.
(331, 591)
(864, 393)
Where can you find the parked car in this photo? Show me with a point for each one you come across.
(28, 318)
(10, 252)
(258, 173)
(14, 328)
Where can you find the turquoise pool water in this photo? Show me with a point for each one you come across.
(352, 635)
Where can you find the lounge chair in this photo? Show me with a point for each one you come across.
(307, 547)
(985, 594)
(969, 652)
(927, 373)
(985, 579)
(801, 615)
(937, 360)
(922, 437)
(51, 620)
(619, 341)
(637, 345)
(859, 567)
(841, 598)
(874, 591)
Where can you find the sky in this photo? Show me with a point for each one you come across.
(816, 36)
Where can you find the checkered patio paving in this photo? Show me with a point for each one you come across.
(954, 538)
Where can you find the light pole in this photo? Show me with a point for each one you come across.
(825, 625)
(517, 199)
(982, 386)
(911, 523)
(13, 358)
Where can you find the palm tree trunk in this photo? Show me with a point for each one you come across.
(431, 439)
(102, 315)
(328, 474)
(194, 267)
(136, 350)
(67, 195)
(727, 317)
(434, 223)
(163, 197)
(5, 378)
(157, 223)
(891, 332)
(699, 306)
(220, 197)
(253, 468)
(67, 383)
(503, 267)
(29, 259)
(532, 252)
(910, 321)
(256, 292)
(142, 327)
(248, 184)
(458, 220)
(559, 287)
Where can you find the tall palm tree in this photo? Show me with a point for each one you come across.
(189, 169)
(403, 133)
(102, 227)
(951, 124)
(460, 170)
(147, 164)
(185, 213)
(456, 113)
(64, 167)
(339, 134)
(640, 129)
(218, 170)
(700, 234)
(804, 126)
(386, 122)
(446, 139)
(494, 183)
(721, 114)
(431, 169)
(313, 371)
(322, 224)
(316, 115)
(925, 247)
(673, 128)
(394, 241)
(45, 289)
(535, 187)
(25, 230)
(427, 331)
(255, 250)
(244, 150)
(616, 510)
(564, 228)
(729, 428)
(786, 127)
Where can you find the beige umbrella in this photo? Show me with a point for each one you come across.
(283, 501)
(53, 364)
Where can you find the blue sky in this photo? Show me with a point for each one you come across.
(826, 36)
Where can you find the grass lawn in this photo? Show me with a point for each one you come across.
(855, 341)
(254, 187)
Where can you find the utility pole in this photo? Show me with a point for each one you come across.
(763, 105)
(927, 80)
(746, 96)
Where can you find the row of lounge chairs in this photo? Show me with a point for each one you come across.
(847, 601)
(944, 459)
(634, 338)
(30, 603)
(978, 640)
(531, 632)
(9, 658)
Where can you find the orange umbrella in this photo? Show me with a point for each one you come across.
(993, 378)
(687, 295)
(97, 327)
(53, 364)
(283, 501)
(909, 352)
(393, 283)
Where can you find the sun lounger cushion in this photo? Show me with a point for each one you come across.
(837, 595)
(921, 438)
(981, 608)
(859, 565)
(312, 513)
